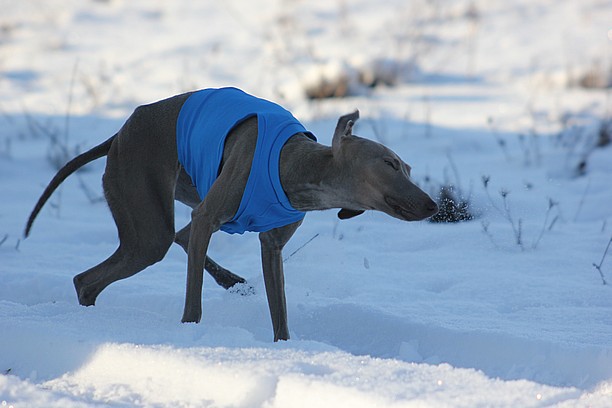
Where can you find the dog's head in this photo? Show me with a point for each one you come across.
(378, 177)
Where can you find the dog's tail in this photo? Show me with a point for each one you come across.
(73, 165)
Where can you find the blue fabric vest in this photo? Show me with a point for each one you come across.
(204, 122)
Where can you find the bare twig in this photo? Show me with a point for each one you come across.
(551, 204)
(519, 236)
(500, 142)
(535, 142)
(518, 233)
(36, 127)
(300, 248)
(485, 229)
(485, 183)
(379, 129)
(552, 223)
(526, 151)
(598, 266)
(517, 226)
(91, 196)
(582, 199)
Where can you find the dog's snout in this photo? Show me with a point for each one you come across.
(432, 207)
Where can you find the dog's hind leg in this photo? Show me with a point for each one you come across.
(139, 185)
(222, 276)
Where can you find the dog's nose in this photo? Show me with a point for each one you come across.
(432, 207)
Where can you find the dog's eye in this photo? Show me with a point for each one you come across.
(392, 163)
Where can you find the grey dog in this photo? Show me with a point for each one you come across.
(143, 177)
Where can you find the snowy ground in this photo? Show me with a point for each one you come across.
(382, 313)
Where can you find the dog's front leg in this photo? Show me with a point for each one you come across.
(204, 223)
(272, 243)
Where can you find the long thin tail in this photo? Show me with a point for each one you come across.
(73, 165)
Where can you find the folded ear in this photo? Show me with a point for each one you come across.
(344, 129)
(345, 213)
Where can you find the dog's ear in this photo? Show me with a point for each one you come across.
(345, 213)
(344, 129)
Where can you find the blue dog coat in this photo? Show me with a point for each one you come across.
(204, 122)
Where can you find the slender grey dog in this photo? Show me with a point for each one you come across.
(144, 176)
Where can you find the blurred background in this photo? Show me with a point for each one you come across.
(108, 56)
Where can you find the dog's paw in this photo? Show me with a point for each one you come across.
(243, 289)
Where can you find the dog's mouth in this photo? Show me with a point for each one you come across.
(410, 213)
(401, 211)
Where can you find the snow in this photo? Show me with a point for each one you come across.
(382, 313)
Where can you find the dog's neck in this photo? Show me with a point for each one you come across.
(311, 178)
